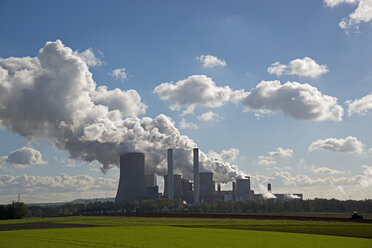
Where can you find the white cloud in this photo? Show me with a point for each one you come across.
(264, 161)
(349, 144)
(301, 101)
(286, 178)
(23, 156)
(210, 61)
(89, 57)
(366, 179)
(120, 73)
(187, 125)
(360, 106)
(305, 67)
(333, 3)
(281, 152)
(196, 90)
(362, 13)
(370, 150)
(35, 187)
(208, 116)
(270, 159)
(327, 171)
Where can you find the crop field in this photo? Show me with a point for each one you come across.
(101, 231)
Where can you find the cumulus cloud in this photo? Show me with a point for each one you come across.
(281, 152)
(54, 95)
(327, 171)
(360, 106)
(63, 187)
(208, 116)
(287, 179)
(264, 161)
(270, 159)
(301, 101)
(120, 73)
(210, 61)
(333, 3)
(366, 179)
(196, 90)
(362, 13)
(349, 144)
(305, 67)
(89, 57)
(187, 125)
(23, 156)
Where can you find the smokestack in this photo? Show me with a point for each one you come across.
(233, 187)
(170, 175)
(269, 187)
(219, 188)
(196, 176)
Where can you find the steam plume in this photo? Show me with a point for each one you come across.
(54, 95)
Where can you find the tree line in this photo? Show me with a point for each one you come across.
(162, 205)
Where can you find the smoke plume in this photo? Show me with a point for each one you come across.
(54, 95)
(265, 193)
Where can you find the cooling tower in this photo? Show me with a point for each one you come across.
(132, 178)
(170, 185)
(196, 175)
(207, 186)
(243, 188)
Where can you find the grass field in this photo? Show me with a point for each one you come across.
(186, 232)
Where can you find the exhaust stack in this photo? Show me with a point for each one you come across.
(196, 176)
(170, 174)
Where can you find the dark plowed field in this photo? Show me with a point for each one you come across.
(39, 225)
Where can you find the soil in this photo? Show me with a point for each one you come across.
(39, 225)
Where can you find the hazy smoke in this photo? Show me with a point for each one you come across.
(54, 95)
(292, 196)
(265, 193)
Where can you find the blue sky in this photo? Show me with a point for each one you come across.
(160, 42)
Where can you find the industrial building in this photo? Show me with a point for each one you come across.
(135, 185)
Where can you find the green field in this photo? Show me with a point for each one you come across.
(187, 232)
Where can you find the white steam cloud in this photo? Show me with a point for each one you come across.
(265, 193)
(54, 95)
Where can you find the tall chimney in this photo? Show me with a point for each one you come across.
(170, 175)
(269, 187)
(196, 176)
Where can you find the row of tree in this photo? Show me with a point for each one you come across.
(16, 210)
(178, 206)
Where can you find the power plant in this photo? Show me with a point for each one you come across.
(135, 185)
